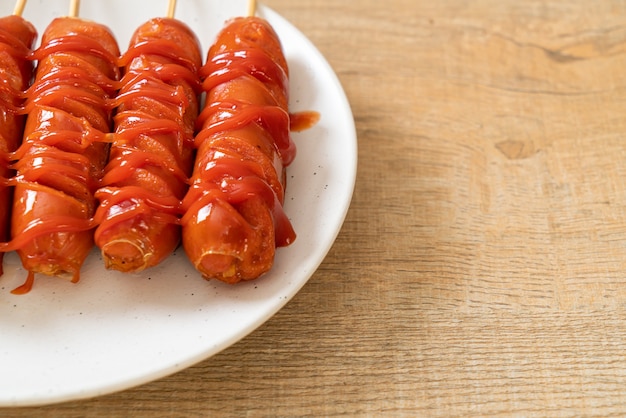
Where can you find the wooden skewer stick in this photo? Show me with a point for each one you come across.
(74, 6)
(19, 7)
(251, 7)
(171, 9)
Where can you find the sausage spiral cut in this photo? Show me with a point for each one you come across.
(63, 155)
(17, 37)
(152, 154)
(234, 217)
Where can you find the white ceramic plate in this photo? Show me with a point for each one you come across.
(110, 331)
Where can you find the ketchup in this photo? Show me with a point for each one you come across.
(301, 121)
(73, 43)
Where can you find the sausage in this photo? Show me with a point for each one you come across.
(233, 212)
(17, 37)
(152, 154)
(64, 150)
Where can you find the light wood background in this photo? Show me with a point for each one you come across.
(481, 270)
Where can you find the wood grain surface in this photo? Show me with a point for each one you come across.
(481, 270)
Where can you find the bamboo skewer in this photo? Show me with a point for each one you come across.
(251, 7)
(171, 9)
(19, 7)
(74, 6)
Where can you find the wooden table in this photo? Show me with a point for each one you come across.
(481, 270)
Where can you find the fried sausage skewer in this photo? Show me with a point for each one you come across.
(152, 154)
(234, 217)
(17, 37)
(62, 158)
